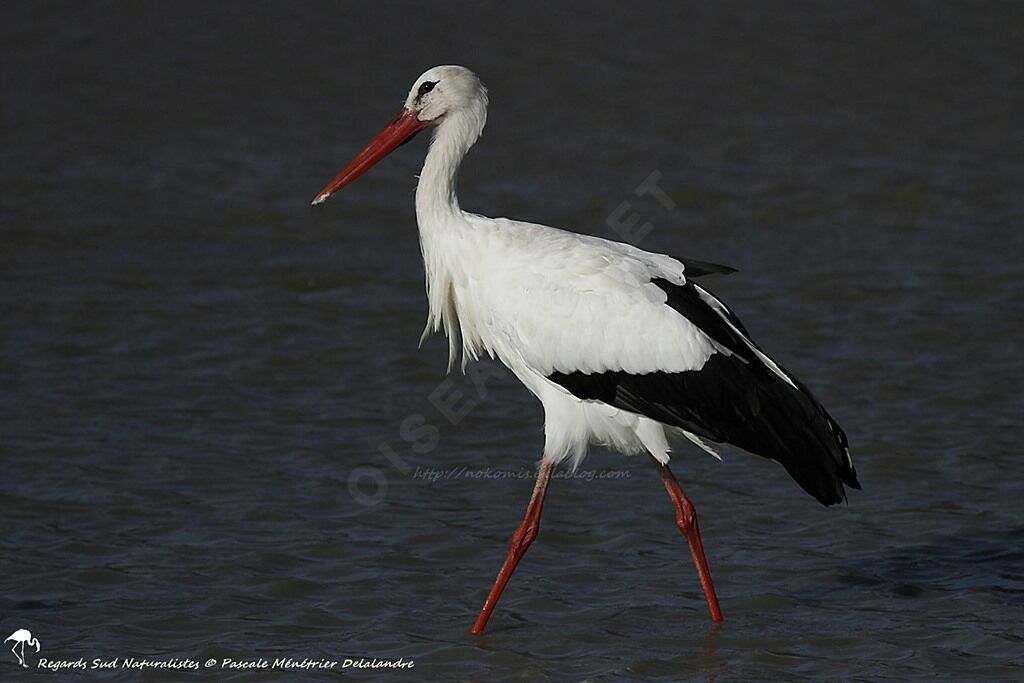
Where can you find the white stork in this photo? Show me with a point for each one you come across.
(622, 347)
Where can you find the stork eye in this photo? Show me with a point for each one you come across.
(425, 88)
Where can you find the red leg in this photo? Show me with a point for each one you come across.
(686, 520)
(521, 540)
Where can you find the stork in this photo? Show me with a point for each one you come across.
(621, 346)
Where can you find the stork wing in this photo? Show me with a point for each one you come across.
(565, 302)
(615, 324)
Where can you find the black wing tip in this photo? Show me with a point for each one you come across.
(832, 491)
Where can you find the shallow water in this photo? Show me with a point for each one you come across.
(215, 421)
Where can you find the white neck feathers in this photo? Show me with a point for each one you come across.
(441, 220)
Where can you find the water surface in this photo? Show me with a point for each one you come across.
(196, 368)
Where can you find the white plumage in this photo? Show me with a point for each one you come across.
(541, 299)
(618, 344)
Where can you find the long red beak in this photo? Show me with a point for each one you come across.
(401, 128)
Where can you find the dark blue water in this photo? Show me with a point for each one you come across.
(216, 426)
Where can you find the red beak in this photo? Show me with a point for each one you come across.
(401, 128)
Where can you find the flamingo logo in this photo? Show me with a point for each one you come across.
(20, 637)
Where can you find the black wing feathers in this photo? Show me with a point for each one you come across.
(734, 398)
(694, 268)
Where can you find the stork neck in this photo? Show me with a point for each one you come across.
(436, 191)
(440, 219)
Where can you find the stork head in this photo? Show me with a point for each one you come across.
(439, 94)
(445, 89)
